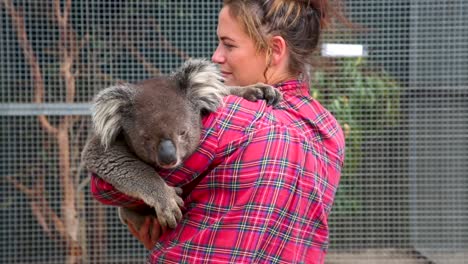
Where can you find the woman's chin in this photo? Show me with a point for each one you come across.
(230, 82)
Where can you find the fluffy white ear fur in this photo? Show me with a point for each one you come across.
(203, 83)
(109, 105)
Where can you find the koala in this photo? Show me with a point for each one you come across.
(156, 123)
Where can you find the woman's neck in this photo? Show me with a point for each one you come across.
(281, 78)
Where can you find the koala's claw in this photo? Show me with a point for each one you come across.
(263, 91)
(168, 209)
(272, 95)
(179, 192)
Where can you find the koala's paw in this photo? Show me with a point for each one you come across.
(168, 206)
(261, 91)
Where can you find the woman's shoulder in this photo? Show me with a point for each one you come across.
(235, 117)
(239, 112)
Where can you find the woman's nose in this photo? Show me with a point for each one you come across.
(218, 56)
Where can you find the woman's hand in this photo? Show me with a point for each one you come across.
(149, 232)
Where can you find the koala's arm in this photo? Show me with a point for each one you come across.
(128, 174)
(116, 165)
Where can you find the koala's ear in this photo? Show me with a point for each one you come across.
(203, 84)
(108, 108)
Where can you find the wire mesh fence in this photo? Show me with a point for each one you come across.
(403, 106)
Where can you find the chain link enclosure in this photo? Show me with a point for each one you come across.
(403, 106)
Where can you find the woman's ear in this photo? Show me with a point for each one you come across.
(278, 51)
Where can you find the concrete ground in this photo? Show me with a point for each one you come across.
(393, 256)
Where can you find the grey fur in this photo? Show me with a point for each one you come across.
(106, 111)
(156, 123)
(205, 82)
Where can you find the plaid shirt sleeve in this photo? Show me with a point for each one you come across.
(270, 177)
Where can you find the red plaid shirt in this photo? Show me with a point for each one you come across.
(269, 179)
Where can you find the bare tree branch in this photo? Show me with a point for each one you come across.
(68, 227)
(141, 58)
(18, 21)
(163, 42)
(45, 215)
(166, 44)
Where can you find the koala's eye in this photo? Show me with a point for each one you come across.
(183, 133)
(146, 139)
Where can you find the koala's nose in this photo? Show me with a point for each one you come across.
(167, 153)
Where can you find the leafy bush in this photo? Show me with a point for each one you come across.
(364, 102)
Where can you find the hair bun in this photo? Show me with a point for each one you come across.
(321, 7)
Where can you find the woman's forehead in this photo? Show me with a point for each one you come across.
(229, 26)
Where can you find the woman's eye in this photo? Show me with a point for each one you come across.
(229, 46)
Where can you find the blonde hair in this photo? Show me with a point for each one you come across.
(298, 22)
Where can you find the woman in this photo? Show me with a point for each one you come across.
(261, 185)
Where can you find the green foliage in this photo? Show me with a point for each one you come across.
(365, 103)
